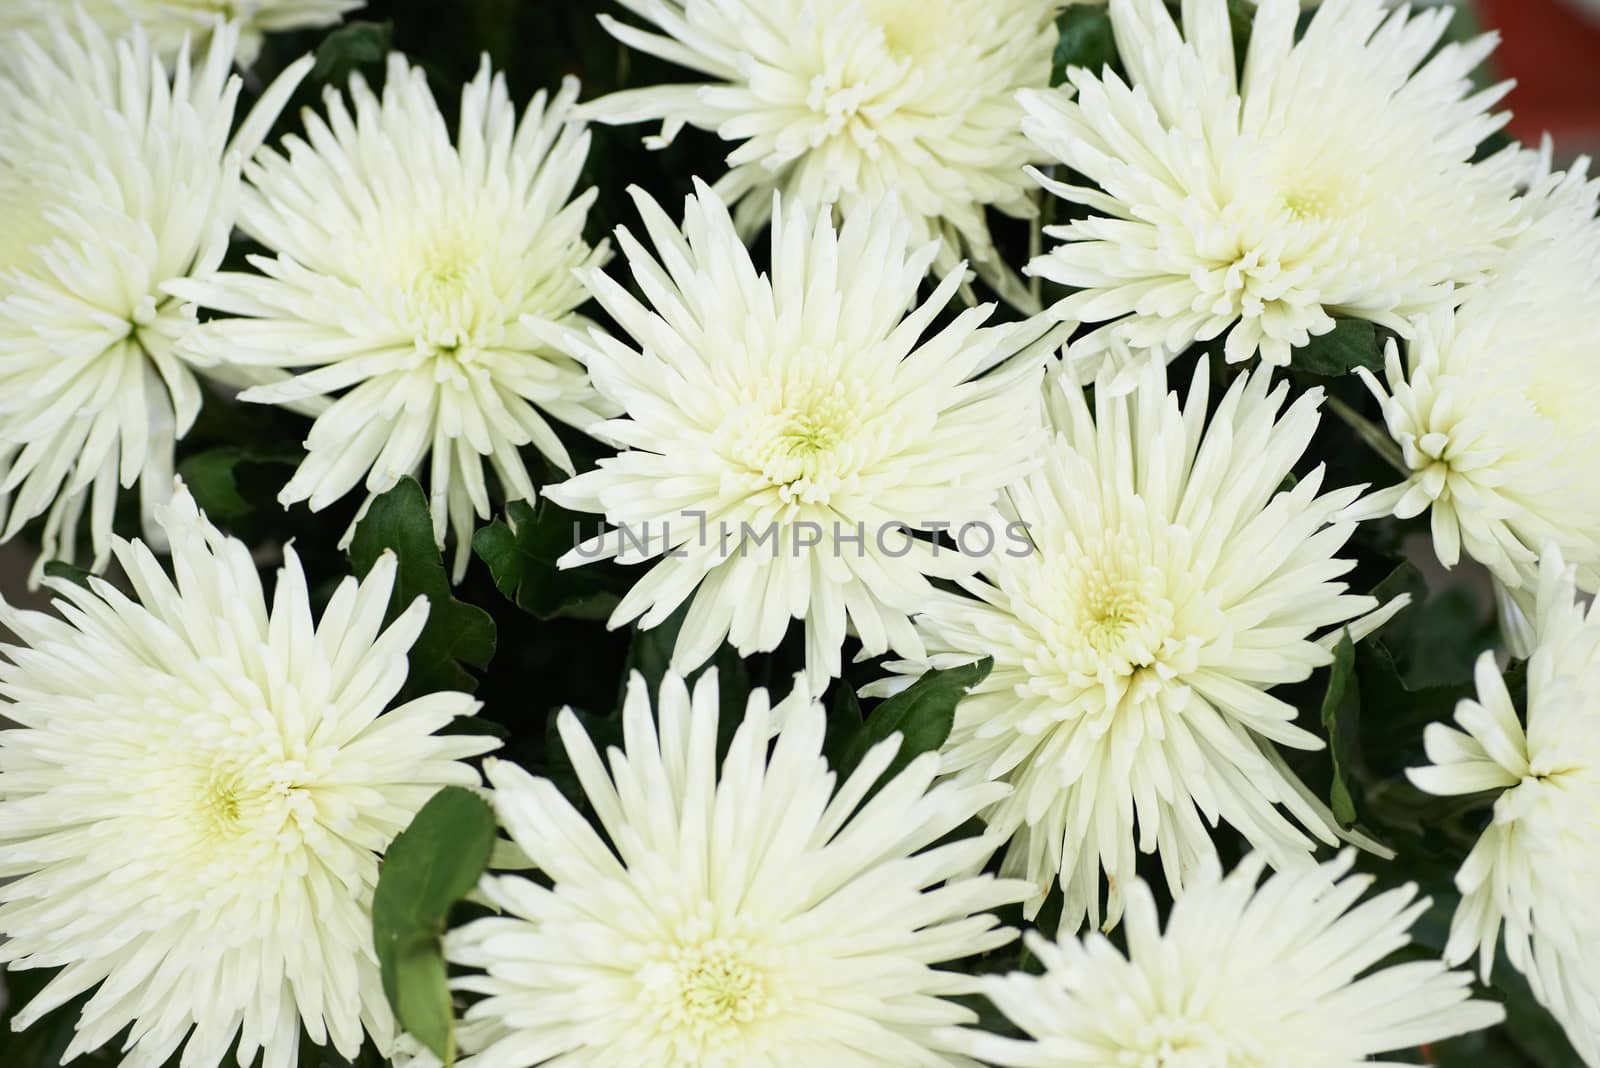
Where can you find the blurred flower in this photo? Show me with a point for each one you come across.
(785, 433)
(1289, 972)
(1176, 578)
(1334, 179)
(114, 181)
(1494, 403)
(170, 24)
(1535, 868)
(406, 269)
(764, 915)
(194, 801)
(854, 101)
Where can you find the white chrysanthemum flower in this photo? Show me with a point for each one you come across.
(784, 434)
(1494, 403)
(113, 183)
(1536, 866)
(1333, 180)
(1173, 582)
(172, 23)
(194, 802)
(1247, 974)
(854, 101)
(763, 915)
(406, 268)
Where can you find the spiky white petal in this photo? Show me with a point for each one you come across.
(114, 181)
(406, 269)
(1287, 972)
(853, 101)
(1332, 180)
(193, 803)
(170, 23)
(1534, 870)
(1493, 404)
(1174, 582)
(781, 431)
(763, 914)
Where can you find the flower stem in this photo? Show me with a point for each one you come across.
(1370, 433)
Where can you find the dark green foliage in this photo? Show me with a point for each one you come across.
(1341, 718)
(1352, 343)
(42, 1045)
(922, 714)
(458, 635)
(1086, 41)
(214, 477)
(521, 552)
(433, 864)
(59, 569)
(529, 638)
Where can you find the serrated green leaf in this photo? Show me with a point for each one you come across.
(1341, 717)
(922, 714)
(521, 552)
(1396, 713)
(1437, 641)
(1086, 40)
(457, 633)
(1352, 343)
(1405, 579)
(428, 868)
(213, 477)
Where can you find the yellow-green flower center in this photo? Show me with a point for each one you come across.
(796, 433)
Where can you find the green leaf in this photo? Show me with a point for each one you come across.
(213, 477)
(60, 569)
(351, 47)
(1394, 717)
(1086, 41)
(1352, 343)
(522, 555)
(1341, 717)
(430, 866)
(1397, 713)
(1436, 639)
(922, 714)
(457, 633)
(844, 723)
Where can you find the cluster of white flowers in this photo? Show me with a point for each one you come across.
(122, 181)
(1535, 868)
(1333, 177)
(1134, 647)
(808, 405)
(217, 774)
(419, 291)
